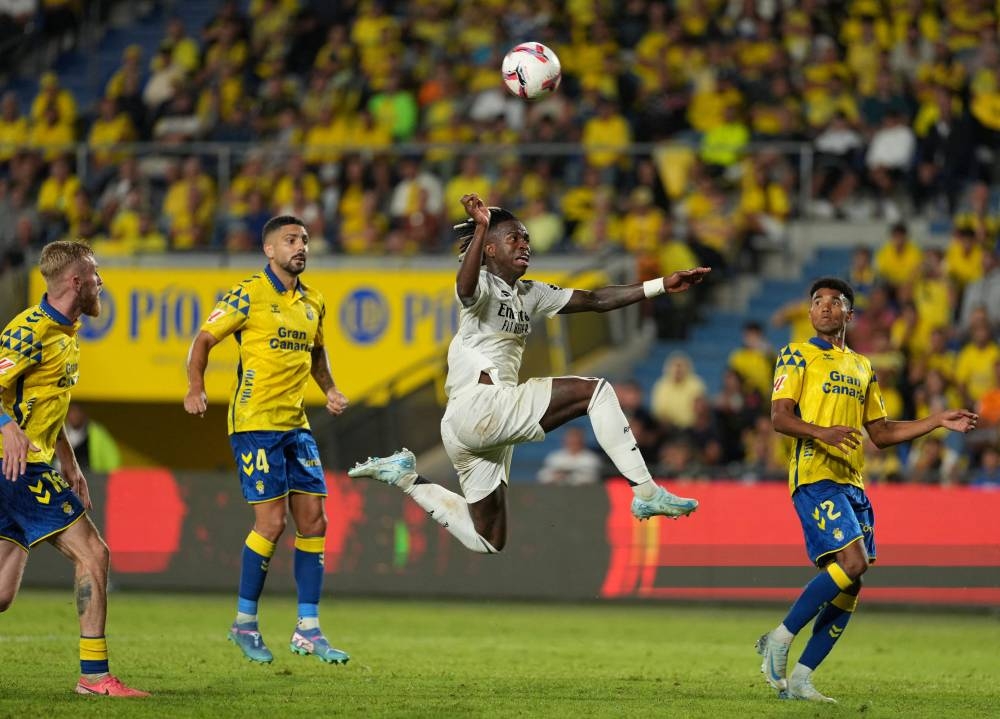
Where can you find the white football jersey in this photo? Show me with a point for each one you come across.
(492, 331)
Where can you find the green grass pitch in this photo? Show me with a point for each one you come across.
(490, 659)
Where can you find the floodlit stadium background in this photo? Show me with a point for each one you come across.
(773, 142)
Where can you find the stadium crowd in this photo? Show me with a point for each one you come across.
(369, 118)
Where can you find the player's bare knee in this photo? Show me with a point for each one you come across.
(855, 566)
(6, 599)
(270, 528)
(312, 527)
(95, 559)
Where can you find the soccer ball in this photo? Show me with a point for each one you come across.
(531, 70)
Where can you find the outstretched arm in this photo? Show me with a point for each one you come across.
(615, 296)
(336, 402)
(196, 402)
(468, 272)
(885, 433)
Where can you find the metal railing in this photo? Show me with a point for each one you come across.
(223, 159)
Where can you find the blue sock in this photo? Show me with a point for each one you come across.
(309, 578)
(257, 553)
(830, 624)
(822, 589)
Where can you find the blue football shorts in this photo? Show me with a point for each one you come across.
(834, 515)
(38, 505)
(272, 464)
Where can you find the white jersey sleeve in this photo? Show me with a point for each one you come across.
(541, 298)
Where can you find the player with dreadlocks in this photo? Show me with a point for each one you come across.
(488, 412)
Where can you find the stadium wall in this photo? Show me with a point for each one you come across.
(175, 530)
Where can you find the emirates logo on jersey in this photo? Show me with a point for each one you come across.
(5, 364)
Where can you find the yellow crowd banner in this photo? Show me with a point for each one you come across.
(378, 323)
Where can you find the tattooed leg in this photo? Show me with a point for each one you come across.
(82, 544)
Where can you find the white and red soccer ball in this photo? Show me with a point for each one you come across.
(531, 70)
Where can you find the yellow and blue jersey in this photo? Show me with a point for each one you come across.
(830, 386)
(39, 365)
(276, 330)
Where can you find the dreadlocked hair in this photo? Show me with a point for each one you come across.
(466, 229)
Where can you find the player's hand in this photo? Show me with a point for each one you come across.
(196, 403)
(846, 439)
(477, 210)
(16, 446)
(78, 483)
(685, 279)
(336, 402)
(958, 420)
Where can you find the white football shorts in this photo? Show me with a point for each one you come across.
(481, 426)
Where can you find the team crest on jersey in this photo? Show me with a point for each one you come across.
(838, 534)
(5, 364)
(779, 382)
(259, 486)
(67, 508)
(309, 314)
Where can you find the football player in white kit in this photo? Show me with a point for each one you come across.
(488, 412)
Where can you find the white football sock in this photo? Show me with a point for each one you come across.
(782, 634)
(615, 437)
(243, 618)
(451, 511)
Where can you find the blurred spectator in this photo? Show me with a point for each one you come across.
(574, 464)
(51, 135)
(931, 461)
(416, 203)
(605, 137)
(55, 197)
(764, 454)
(735, 409)
(678, 459)
(109, 129)
(881, 466)
(753, 361)
(544, 227)
(899, 260)
(470, 178)
(988, 408)
(395, 109)
(183, 49)
(983, 294)
(179, 123)
(50, 93)
(974, 365)
(861, 275)
(890, 154)
(723, 145)
(640, 228)
(964, 257)
(795, 315)
(944, 150)
(93, 445)
(988, 474)
(674, 393)
(836, 176)
(131, 68)
(13, 128)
